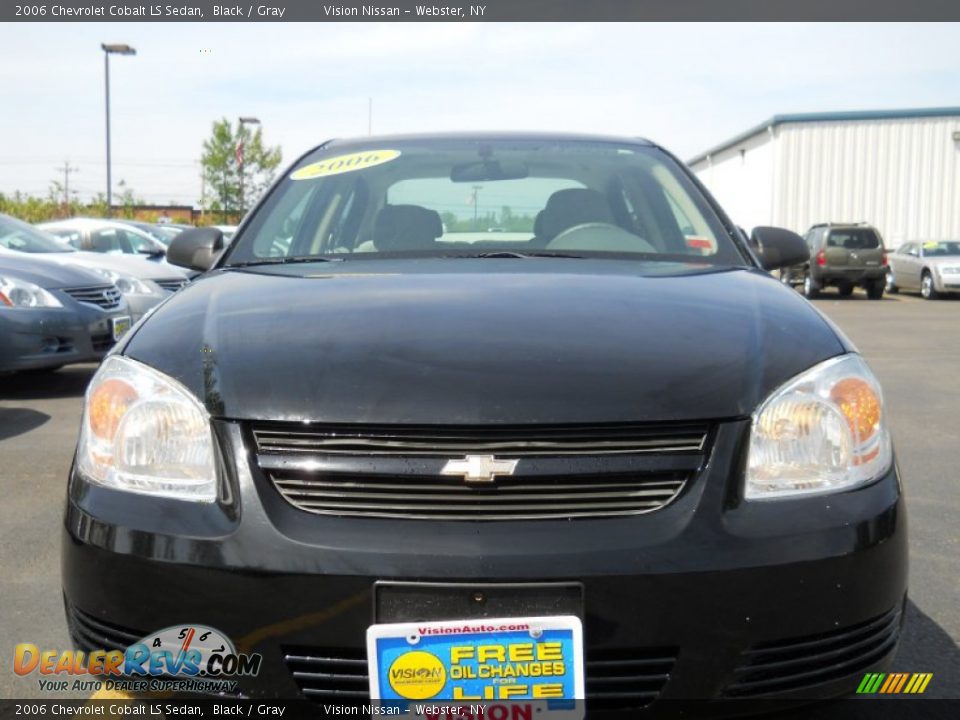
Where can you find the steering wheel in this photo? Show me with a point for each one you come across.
(600, 236)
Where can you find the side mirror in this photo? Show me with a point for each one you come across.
(779, 248)
(196, 248)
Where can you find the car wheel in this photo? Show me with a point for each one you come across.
(927, 290)
(810, 288)
(846, 290)
(875, 289)
(892, 285)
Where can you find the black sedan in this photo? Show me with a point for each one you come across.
(598, 453)
(53, 315)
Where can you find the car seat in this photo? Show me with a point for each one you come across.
(568, 208)
(399, 228)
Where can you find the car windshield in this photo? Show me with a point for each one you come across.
(166, 234)
(480, 197)
(20, 236)
(153, 231)
(941, 249)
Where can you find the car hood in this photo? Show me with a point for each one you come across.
(139, 267)
(484, 341)
(46, 272)
(942, 262)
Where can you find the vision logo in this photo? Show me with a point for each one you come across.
(417, 675)
(894, 683)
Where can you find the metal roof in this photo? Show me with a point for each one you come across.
(827, 117)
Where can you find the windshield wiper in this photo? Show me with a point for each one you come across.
(284, 261)
(517, 254)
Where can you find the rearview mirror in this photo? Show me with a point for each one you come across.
(489, 170)
(196, 248)
(779, 248)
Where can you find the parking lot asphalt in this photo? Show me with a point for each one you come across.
(912, 345)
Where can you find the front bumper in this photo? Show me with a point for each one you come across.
(37, 338)
(707, 598)
(946, 283)
(139, 305)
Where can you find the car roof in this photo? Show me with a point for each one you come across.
(491, 136)
(831, 225)
(84, 222)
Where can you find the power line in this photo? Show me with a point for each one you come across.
(67, 169)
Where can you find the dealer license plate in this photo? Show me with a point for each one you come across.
(534, 662)
(120, 326)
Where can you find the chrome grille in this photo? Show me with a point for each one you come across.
(427, 498)
(512, 442)
(172, 284)
(104, 296)
(562, 473)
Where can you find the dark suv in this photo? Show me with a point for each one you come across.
(842, 255)
(395, 455)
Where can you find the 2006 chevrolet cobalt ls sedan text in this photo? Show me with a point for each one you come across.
(538, 386)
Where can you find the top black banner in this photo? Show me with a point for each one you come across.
(477, 11)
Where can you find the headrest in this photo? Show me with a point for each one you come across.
(406, 227)
(538, 225)
(573, 206)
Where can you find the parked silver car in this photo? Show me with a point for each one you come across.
(163, 233)
(143, 283)
(106, 236)
(932, 268)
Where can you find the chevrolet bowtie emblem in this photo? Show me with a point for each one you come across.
(479, 468)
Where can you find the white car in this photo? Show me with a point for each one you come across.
(106, 236)
(932, 267)
(144, 283)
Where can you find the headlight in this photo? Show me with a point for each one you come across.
(823, 431)
(22, 294)
(145, 433)
(128, 284)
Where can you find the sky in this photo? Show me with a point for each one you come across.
(686, 86)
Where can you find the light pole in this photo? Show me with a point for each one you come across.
(108, 50)
(240, 156)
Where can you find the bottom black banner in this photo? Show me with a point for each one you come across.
(159, 709)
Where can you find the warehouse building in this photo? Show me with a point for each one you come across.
(898, 170)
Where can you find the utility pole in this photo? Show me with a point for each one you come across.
(370, 116)
(476, 206)
(67, 169)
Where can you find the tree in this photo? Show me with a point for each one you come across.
(127, 200)
(221, 169)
